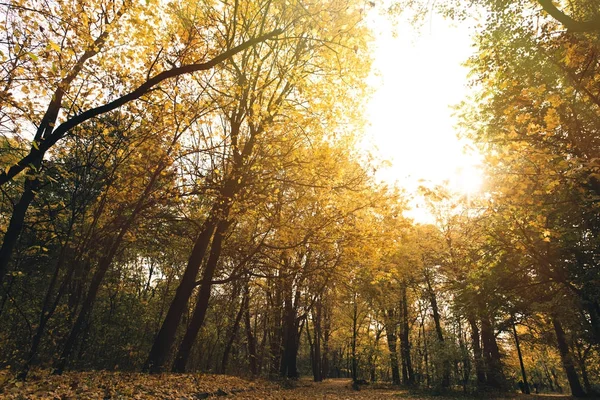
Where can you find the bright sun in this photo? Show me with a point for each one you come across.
(418, 77)
(468, 180)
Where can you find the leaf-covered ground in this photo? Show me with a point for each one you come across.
(115, 385)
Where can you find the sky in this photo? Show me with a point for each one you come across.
(418, 76)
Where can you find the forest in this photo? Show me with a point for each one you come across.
(184, 189)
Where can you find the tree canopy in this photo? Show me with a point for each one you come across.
(183, 189)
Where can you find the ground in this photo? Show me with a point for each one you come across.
(115, 385)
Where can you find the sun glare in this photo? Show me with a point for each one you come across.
(418, 77)
(468, 180)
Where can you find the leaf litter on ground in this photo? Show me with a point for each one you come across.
(129, 385)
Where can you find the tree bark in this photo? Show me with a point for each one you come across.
(477, 353)
(202, 300)
(438, 330)
(233, 334)
(491, 355)
(326, 335)
(250, 337)
(166, 335)
(17, 218)
(390, 330)
(408, 377)
(567, 359)
(523, 374)
(317, 363)
(354, 338)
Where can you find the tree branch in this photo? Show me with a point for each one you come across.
(568, 22)
(36, 154)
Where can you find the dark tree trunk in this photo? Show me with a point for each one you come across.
(408, 377)
(354, 339)
(275, 332)
(317, 362)
(86, 309)
(47, 312)
(567, 359)
(166, 335)
(250, 337)
(233, 334)
(288, 366)
(491, 355)
(390, 330)
(326, 335)
(466, 361)
(15, 225)
(582, 355)
(202, 300)
(477, 354)
(103, 265)
(438, 330)
(523, 374)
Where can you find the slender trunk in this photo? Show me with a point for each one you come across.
(276, 332)
(567, 359)
(477, 354)
(523, 374)
(317, 364)
(47, 312)
(390, 329)
(288, 366)
(263, 344)
(166, 335)
(202, 300)
(311, 347)
(426, 356)
(491, 354)
(439, 332)
(250, 337)
(374, 362)
(548, 377)
(354, 339)
(326, 335)
(466, 361)
(582, 355)
(104, 264)
(233, 334)
(15, 225)
(86, 308)
(408, 376)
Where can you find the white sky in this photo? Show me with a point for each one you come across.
(420, 77)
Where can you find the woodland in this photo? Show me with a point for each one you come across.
(183, 190)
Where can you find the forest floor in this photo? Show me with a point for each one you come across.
(116, 385)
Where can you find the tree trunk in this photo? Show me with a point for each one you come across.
(567, 359)
(250, 337)
(288, 367)
(438, 330)
(491, 355)
(166, 335)
(477, 354)
(523, 374)
(202, 300)
(408, 377)
(390, 330)
(317, 363)
(233, 334)
(354, 338)
(17, 218)
(326, 335)
(86, 309)
(103, 265)
(46, 313)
